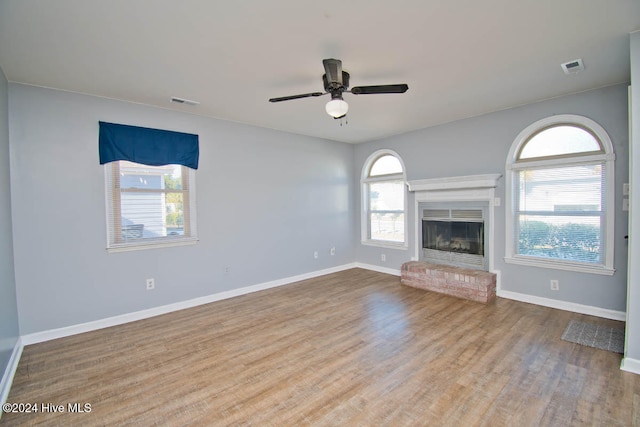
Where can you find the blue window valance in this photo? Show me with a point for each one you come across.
(154, 147)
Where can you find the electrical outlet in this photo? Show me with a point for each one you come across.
(383, 257)
(555, 285)
(151, 284)
(333, 251)
(315, 254)
(227, 270)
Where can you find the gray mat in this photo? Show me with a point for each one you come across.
(598, 336)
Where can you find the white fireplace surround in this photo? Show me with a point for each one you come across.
(470, 188)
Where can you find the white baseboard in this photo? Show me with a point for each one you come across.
(564, 305)
(52, 334)
(630, 365)
(10, 371)
(377, 268)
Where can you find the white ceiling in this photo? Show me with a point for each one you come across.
(459, 58)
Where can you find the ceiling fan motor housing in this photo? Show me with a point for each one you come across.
(335, 86)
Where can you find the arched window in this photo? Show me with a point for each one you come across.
(384, 200)
(560, 178)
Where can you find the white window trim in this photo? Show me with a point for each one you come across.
(609, 216)
(364, 181)
(163, 242)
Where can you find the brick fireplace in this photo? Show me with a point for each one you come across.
(454, 235)
(474, 285)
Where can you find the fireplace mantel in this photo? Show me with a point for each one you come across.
(455, 183)
(469, 188)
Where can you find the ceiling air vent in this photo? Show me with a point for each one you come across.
(572, 67)
(183, 101)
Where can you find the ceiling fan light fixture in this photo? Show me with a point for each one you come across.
(337, 107)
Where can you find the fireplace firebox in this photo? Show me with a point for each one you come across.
(453, 236)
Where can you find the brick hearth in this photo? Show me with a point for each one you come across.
(474, 285)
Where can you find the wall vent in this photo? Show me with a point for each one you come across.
(177, 100)
(573, 67)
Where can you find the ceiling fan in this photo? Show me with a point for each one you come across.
(336, 82)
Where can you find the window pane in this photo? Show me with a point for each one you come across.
(559, 140)
(560, 237)
(149, 205)
(133, 175)
(387, 226)
(564, 189)
(386, 196)
(151, 201)
(561, 212)
(151, 215)
(386, 165)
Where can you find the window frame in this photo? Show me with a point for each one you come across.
(606, 158)
(365, 181)
(113, 193)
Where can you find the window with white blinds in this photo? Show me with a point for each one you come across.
(560, 212)
(560, 207)
(384, 200)
(149, 206)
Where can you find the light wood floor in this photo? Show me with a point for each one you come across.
(354, 348)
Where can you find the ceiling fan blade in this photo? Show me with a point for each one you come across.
(366, 90)
(333, 70)
(303, 95)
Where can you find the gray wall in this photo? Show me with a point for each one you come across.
(8, 307)
(266, 200)
(632, 349)
(480, 145)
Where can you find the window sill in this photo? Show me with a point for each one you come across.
(155, 244)
(561, 265)
(389, 245)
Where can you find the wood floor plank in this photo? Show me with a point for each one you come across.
(352, 348)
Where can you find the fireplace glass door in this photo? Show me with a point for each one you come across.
(453, 236)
